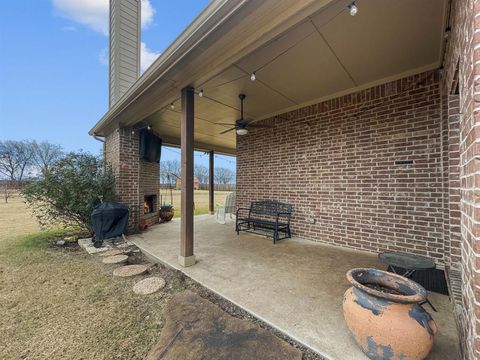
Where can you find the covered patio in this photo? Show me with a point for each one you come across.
(365, 121)
(295, 286)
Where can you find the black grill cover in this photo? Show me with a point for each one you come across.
(109, 219)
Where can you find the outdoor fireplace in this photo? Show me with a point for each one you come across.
(149, 204)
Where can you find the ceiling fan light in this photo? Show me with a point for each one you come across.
(242, 131)
(353, 9)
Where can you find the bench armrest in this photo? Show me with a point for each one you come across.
(284, 214)
(238, 210)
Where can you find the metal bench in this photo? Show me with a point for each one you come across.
(270, 215)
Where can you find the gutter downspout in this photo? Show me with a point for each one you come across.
(98, 138)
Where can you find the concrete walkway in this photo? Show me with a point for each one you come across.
(296, 286)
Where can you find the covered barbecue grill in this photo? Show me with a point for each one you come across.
(109, 220)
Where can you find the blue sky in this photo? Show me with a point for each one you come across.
(53, 72)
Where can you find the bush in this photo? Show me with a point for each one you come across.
(69, 191)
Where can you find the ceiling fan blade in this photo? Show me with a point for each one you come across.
(228, 124)
(226, 131)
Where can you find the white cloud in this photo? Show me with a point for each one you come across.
(69, 28)
(148, 13)
(91, 13)
(103, 56)
(147, 57)
(94, 13)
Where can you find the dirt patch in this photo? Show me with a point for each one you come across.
(197, 329)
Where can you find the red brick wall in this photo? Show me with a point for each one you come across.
(335, 162)
(135, 178)
(462, 58)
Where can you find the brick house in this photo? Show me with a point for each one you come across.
(374, 122)
(196, 184)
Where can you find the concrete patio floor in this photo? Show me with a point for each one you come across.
(295, 286)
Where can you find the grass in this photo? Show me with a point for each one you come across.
(200, 199)
(15, 218)
(61, 303)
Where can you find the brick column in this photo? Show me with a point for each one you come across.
(121, 153)
(134, 178)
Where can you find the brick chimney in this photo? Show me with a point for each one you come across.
(124, 47)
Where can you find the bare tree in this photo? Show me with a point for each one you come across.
(201, 173)
(46, 154)
(15, 158)
(170, 171)
(6, 191)
(224, 175)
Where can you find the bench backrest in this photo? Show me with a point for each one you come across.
(270, 208)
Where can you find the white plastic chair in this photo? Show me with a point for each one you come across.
(228, 208)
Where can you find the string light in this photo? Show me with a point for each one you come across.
(353, 9)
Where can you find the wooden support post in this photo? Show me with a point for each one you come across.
(211, 186)
(187, 258)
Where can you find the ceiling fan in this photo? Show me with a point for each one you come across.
(242, 125)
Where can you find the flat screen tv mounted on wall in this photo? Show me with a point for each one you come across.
(150, 146)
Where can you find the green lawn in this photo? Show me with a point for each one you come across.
(59, 303)
(200, 198)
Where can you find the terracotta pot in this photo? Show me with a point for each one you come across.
(166, 214)
(385, 317)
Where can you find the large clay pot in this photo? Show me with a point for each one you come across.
(381, 310)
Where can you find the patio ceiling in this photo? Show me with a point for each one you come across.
(308, 53)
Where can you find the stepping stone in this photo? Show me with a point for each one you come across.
(215, 334)
(89, 248)
(111, 252)
(148, 286)
(115, 259)
(130, 270)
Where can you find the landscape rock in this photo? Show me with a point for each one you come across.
(60, 242)
(111, 252)
(115, 259)
(130, 270)
(148, 286)
(89, 248)
(124, 245)
(195, 328)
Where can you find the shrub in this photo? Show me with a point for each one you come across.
(69, 191)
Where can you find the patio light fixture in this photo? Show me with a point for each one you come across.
(172, 106)
(242, 131)
(353, 9)
(253, 77)
(200, 93)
